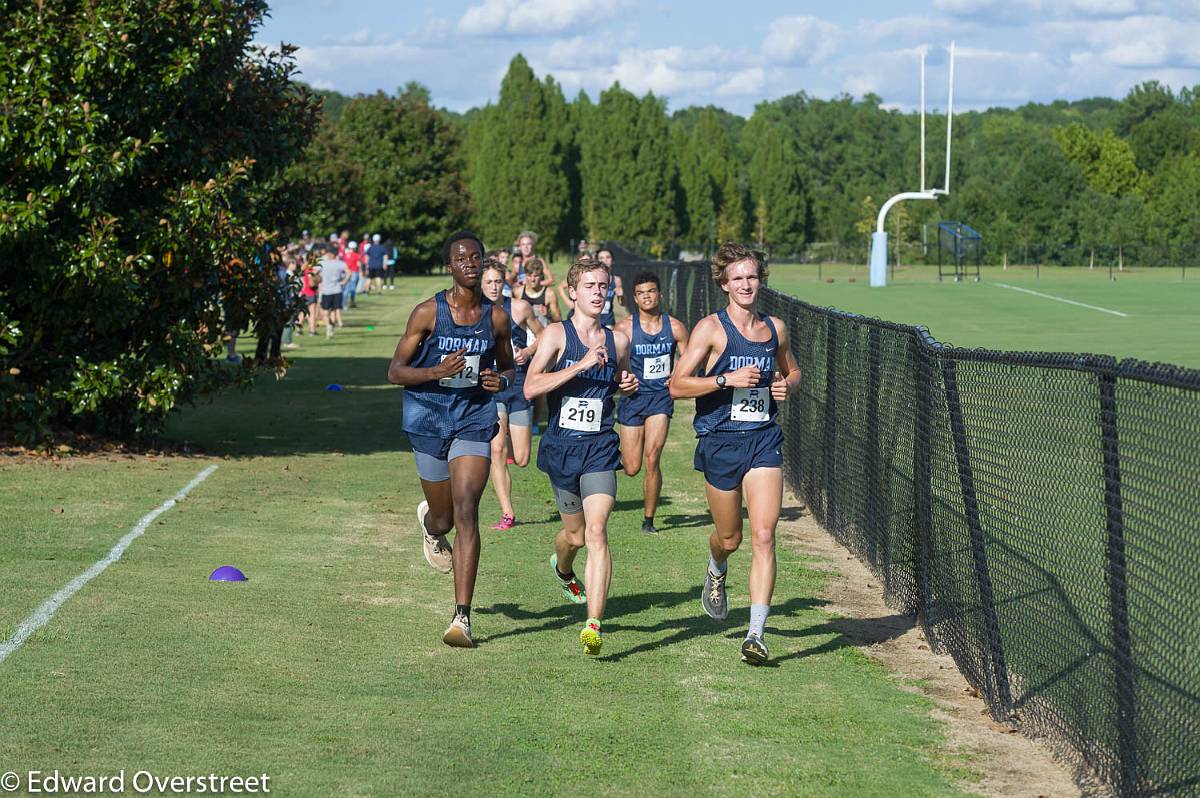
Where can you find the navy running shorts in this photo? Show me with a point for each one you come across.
(725, 457)
(633, 410)
(434, 453)
(566, 460)
(512, 400)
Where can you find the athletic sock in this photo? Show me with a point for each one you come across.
(567, 577)
(649, 520)
(717, 568)
(758, 618)
(591, 621)
(463, 610)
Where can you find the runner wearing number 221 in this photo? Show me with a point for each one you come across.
(738, 366)
(579, 365)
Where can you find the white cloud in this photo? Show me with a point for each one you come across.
(801, 40)
(325, 65)
(914, 30)
(1133, 42)
(746, 82)
(534, 17)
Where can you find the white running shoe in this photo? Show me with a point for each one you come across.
(438, 552)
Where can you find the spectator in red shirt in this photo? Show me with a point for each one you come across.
(351, 259)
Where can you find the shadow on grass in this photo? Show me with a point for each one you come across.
(844, 632)
(847, 633)
(298, 414)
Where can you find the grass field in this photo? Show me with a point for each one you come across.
(1161, 322)
(326, 670)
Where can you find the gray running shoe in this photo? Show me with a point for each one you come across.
(713, 598)
(438, 552)
(648, 527)
(754, 650)
(458, 634)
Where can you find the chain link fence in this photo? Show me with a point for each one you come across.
(1039, 512)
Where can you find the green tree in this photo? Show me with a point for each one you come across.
(519, 170)
(1107, 162)
(776, 182)
(142, 150)
(626, 168)
(390, 165)
(715, 205)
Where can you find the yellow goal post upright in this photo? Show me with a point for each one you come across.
(879, 239)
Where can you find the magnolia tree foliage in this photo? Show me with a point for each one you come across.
(141, 151)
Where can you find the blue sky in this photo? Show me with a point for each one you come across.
(735, 54)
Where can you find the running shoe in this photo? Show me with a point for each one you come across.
(712, 597)
(438, 552)
(572, 588)
(458, 634)
(506, 522)
(590, 637)
(754, 650)
(648, 527)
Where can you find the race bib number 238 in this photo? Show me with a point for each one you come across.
(750, 404)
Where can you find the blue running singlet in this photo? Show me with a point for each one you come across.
(458, 403)
(583, 406)
(740, 409)
(651, 354)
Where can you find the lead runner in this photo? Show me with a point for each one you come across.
(445, 361)
(747, 368)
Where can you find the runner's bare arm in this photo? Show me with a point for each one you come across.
(708, 337)
(787, 375)
(627, 382)
(538, 381)
(489, 379)
(420, 324)
(680, 331)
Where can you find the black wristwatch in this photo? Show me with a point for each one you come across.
(720, 381)
(504, 383)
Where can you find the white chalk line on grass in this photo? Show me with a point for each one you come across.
(1060, 299)
(44, 613)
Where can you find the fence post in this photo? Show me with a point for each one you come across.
(1001, 696)
(1118, 596)
(923, 344)
(830, 439)
(875, 525)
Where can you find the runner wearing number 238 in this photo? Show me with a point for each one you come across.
(738, 366)
(579, 365)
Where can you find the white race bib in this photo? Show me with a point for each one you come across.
(467, 378)
(580, 414)
(656, 368)
(751, 404)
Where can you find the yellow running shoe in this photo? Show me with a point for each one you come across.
(590, 637)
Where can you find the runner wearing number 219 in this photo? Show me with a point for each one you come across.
(745, 368)
(579, 365)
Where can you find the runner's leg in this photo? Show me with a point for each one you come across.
(764, 498)
(656, 437)
(468, 477)
(631, 449)
(501, 479)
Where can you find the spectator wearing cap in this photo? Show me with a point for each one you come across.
(351, 259)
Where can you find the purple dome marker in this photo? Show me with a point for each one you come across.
(227, 573)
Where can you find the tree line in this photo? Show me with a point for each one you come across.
(799, 175)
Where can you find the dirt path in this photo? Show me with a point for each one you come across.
(1010, 764)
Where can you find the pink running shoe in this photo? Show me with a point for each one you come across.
(506, 522)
